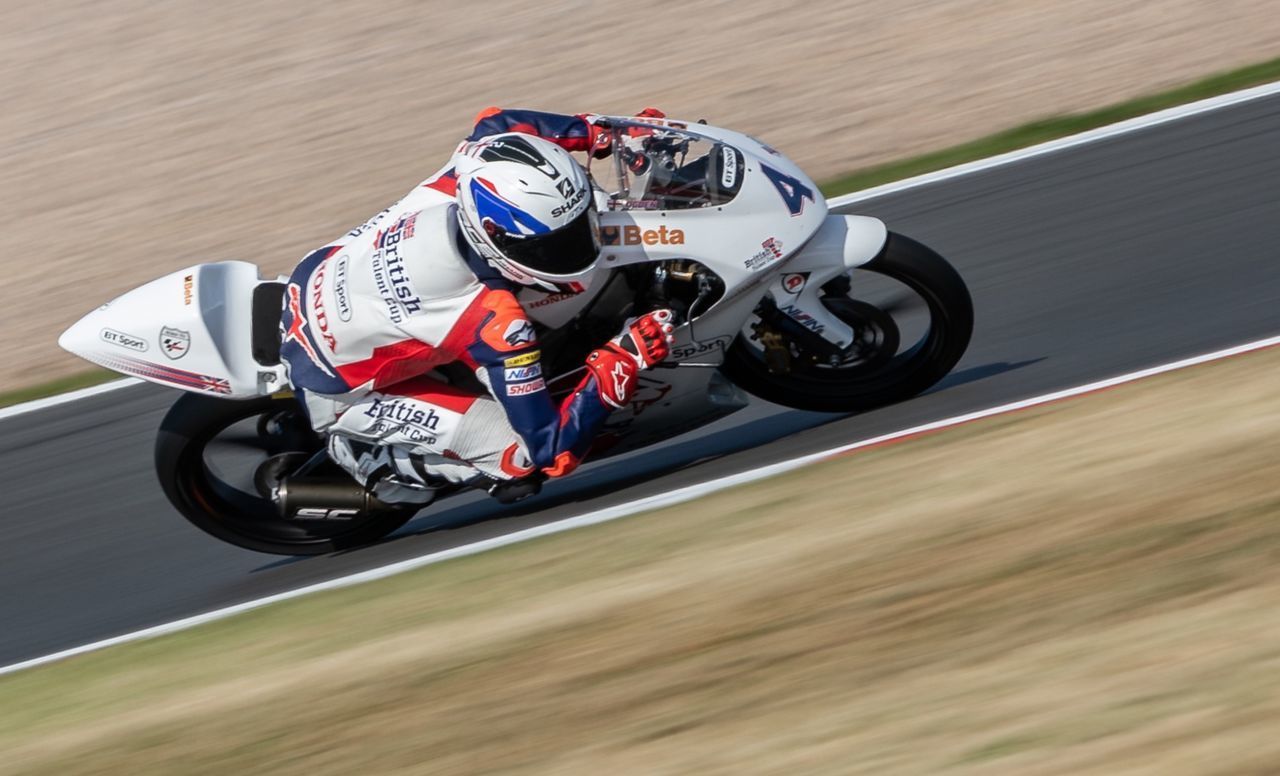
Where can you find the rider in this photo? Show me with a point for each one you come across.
(431, 281)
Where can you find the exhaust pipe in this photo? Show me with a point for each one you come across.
(329, 498)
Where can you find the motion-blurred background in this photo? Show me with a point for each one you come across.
(140, 137)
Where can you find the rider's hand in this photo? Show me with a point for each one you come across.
(647, 339)
(600, 139)
(643, 343)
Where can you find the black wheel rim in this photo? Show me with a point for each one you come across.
(235, 501)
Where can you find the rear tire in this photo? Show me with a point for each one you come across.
(234, 515)
(867, 386)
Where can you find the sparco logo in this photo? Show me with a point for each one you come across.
(340, 294)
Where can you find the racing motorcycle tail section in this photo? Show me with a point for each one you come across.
(192, 329)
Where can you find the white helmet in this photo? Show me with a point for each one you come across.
(526, 206)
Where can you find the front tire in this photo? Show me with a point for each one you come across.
(880, 378)
(233, 508)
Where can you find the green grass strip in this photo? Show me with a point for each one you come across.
(1048, 129)
(61, 385)
(1026, 135)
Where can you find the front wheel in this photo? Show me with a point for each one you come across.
(215, 458)
(906, 339)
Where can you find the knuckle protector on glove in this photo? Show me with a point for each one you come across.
(648, 338)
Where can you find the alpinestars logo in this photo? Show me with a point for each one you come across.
(520, 332)
(296, 331)
(620, 378)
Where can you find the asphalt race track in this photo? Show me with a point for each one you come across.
(1084, 264)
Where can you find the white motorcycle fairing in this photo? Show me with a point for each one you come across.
(707, 222)
(776, 227)
(191, 329)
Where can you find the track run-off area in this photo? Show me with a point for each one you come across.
(1103, 257)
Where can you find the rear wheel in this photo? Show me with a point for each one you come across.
(907, 336)
(217, 460)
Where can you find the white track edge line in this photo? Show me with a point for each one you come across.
(1070, 141)
(1127, 126)
(63, 398)
(678, 496)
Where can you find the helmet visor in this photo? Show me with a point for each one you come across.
(568, 250)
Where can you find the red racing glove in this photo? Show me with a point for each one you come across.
(643, 343)
(602, 142)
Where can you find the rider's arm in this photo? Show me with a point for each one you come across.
(572, 133)
(505, 354)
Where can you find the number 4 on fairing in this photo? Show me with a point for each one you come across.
(793, 191)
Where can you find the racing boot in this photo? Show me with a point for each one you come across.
(387, 472)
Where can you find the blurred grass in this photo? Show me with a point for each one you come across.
(1048, 129)
(1088, 587)
(62, 385)
(1010, 140)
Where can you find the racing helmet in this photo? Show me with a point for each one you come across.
(526, 206)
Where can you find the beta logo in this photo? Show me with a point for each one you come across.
(188, 289)
(634, 235)
(524, 389)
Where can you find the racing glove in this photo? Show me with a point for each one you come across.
(643, 343)
(602, 141)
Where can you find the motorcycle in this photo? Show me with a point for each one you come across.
(775, 297)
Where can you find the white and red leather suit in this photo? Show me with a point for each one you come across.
(368, 316)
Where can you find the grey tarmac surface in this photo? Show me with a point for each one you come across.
(1084, 264)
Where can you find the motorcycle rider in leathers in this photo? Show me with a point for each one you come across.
(431, 281)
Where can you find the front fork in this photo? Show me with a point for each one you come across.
(793, 309)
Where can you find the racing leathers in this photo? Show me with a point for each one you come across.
(368, 316)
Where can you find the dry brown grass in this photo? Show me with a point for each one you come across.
(1088, 588)
(140, 137)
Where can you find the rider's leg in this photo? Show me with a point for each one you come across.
(423, 431)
